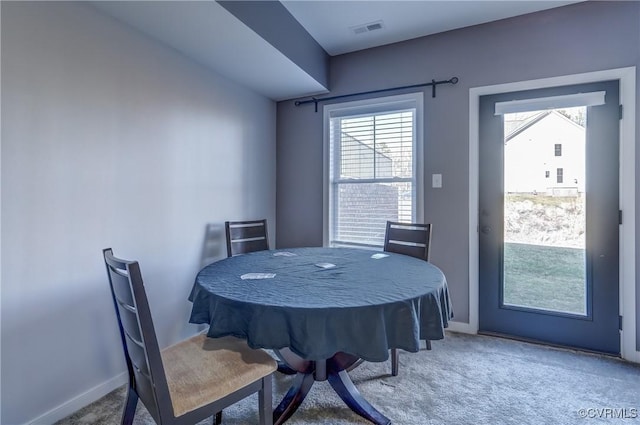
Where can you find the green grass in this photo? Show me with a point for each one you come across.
(545, 277)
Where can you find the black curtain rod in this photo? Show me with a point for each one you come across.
(433, 85)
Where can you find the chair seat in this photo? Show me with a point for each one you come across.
(200, 370)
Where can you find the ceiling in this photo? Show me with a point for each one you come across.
(331, 22)
(210, 35)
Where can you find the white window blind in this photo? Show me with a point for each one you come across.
(372, 171)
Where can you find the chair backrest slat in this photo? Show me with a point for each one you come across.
(243, 247)
(121, 287)
(138, 355)
(411, 239)
(126, 306)
(139, 342)
(246, 236)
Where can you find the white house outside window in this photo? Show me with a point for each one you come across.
(371, 169)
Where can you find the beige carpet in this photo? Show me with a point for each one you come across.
(465, 379)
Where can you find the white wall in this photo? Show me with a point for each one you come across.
(108, 140)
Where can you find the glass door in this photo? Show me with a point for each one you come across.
(544, 210)
(549, 215)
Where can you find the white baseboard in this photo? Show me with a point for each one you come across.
(464, 328)
(631, 356)
(71, 406)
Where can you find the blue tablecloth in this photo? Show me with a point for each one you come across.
(362, 306)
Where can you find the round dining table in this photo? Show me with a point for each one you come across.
(323, 309)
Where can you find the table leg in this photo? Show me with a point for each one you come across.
(290, 362)
(295, 396)
(343, 386)
(335, 371)
(284, 368)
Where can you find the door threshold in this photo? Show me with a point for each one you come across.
(549, 344)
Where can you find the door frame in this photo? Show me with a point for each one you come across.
(627, 267)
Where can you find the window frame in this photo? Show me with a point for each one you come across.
(371, 106)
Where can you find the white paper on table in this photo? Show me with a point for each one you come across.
(249, 276)
(325, 265)
(379, 256)
(284, 254)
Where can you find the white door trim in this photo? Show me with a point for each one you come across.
(627, 77)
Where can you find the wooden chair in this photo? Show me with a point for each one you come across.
(411, 239)
(246, 236)
(189, 381)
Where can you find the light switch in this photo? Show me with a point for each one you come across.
(436, 180)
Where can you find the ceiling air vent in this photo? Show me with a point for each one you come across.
(372, 26)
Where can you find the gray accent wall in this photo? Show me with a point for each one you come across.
(109, 139)
(584, 37)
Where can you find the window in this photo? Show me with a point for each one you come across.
(557, 149)
(559, 175)
(546, 174)
(372, 173)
